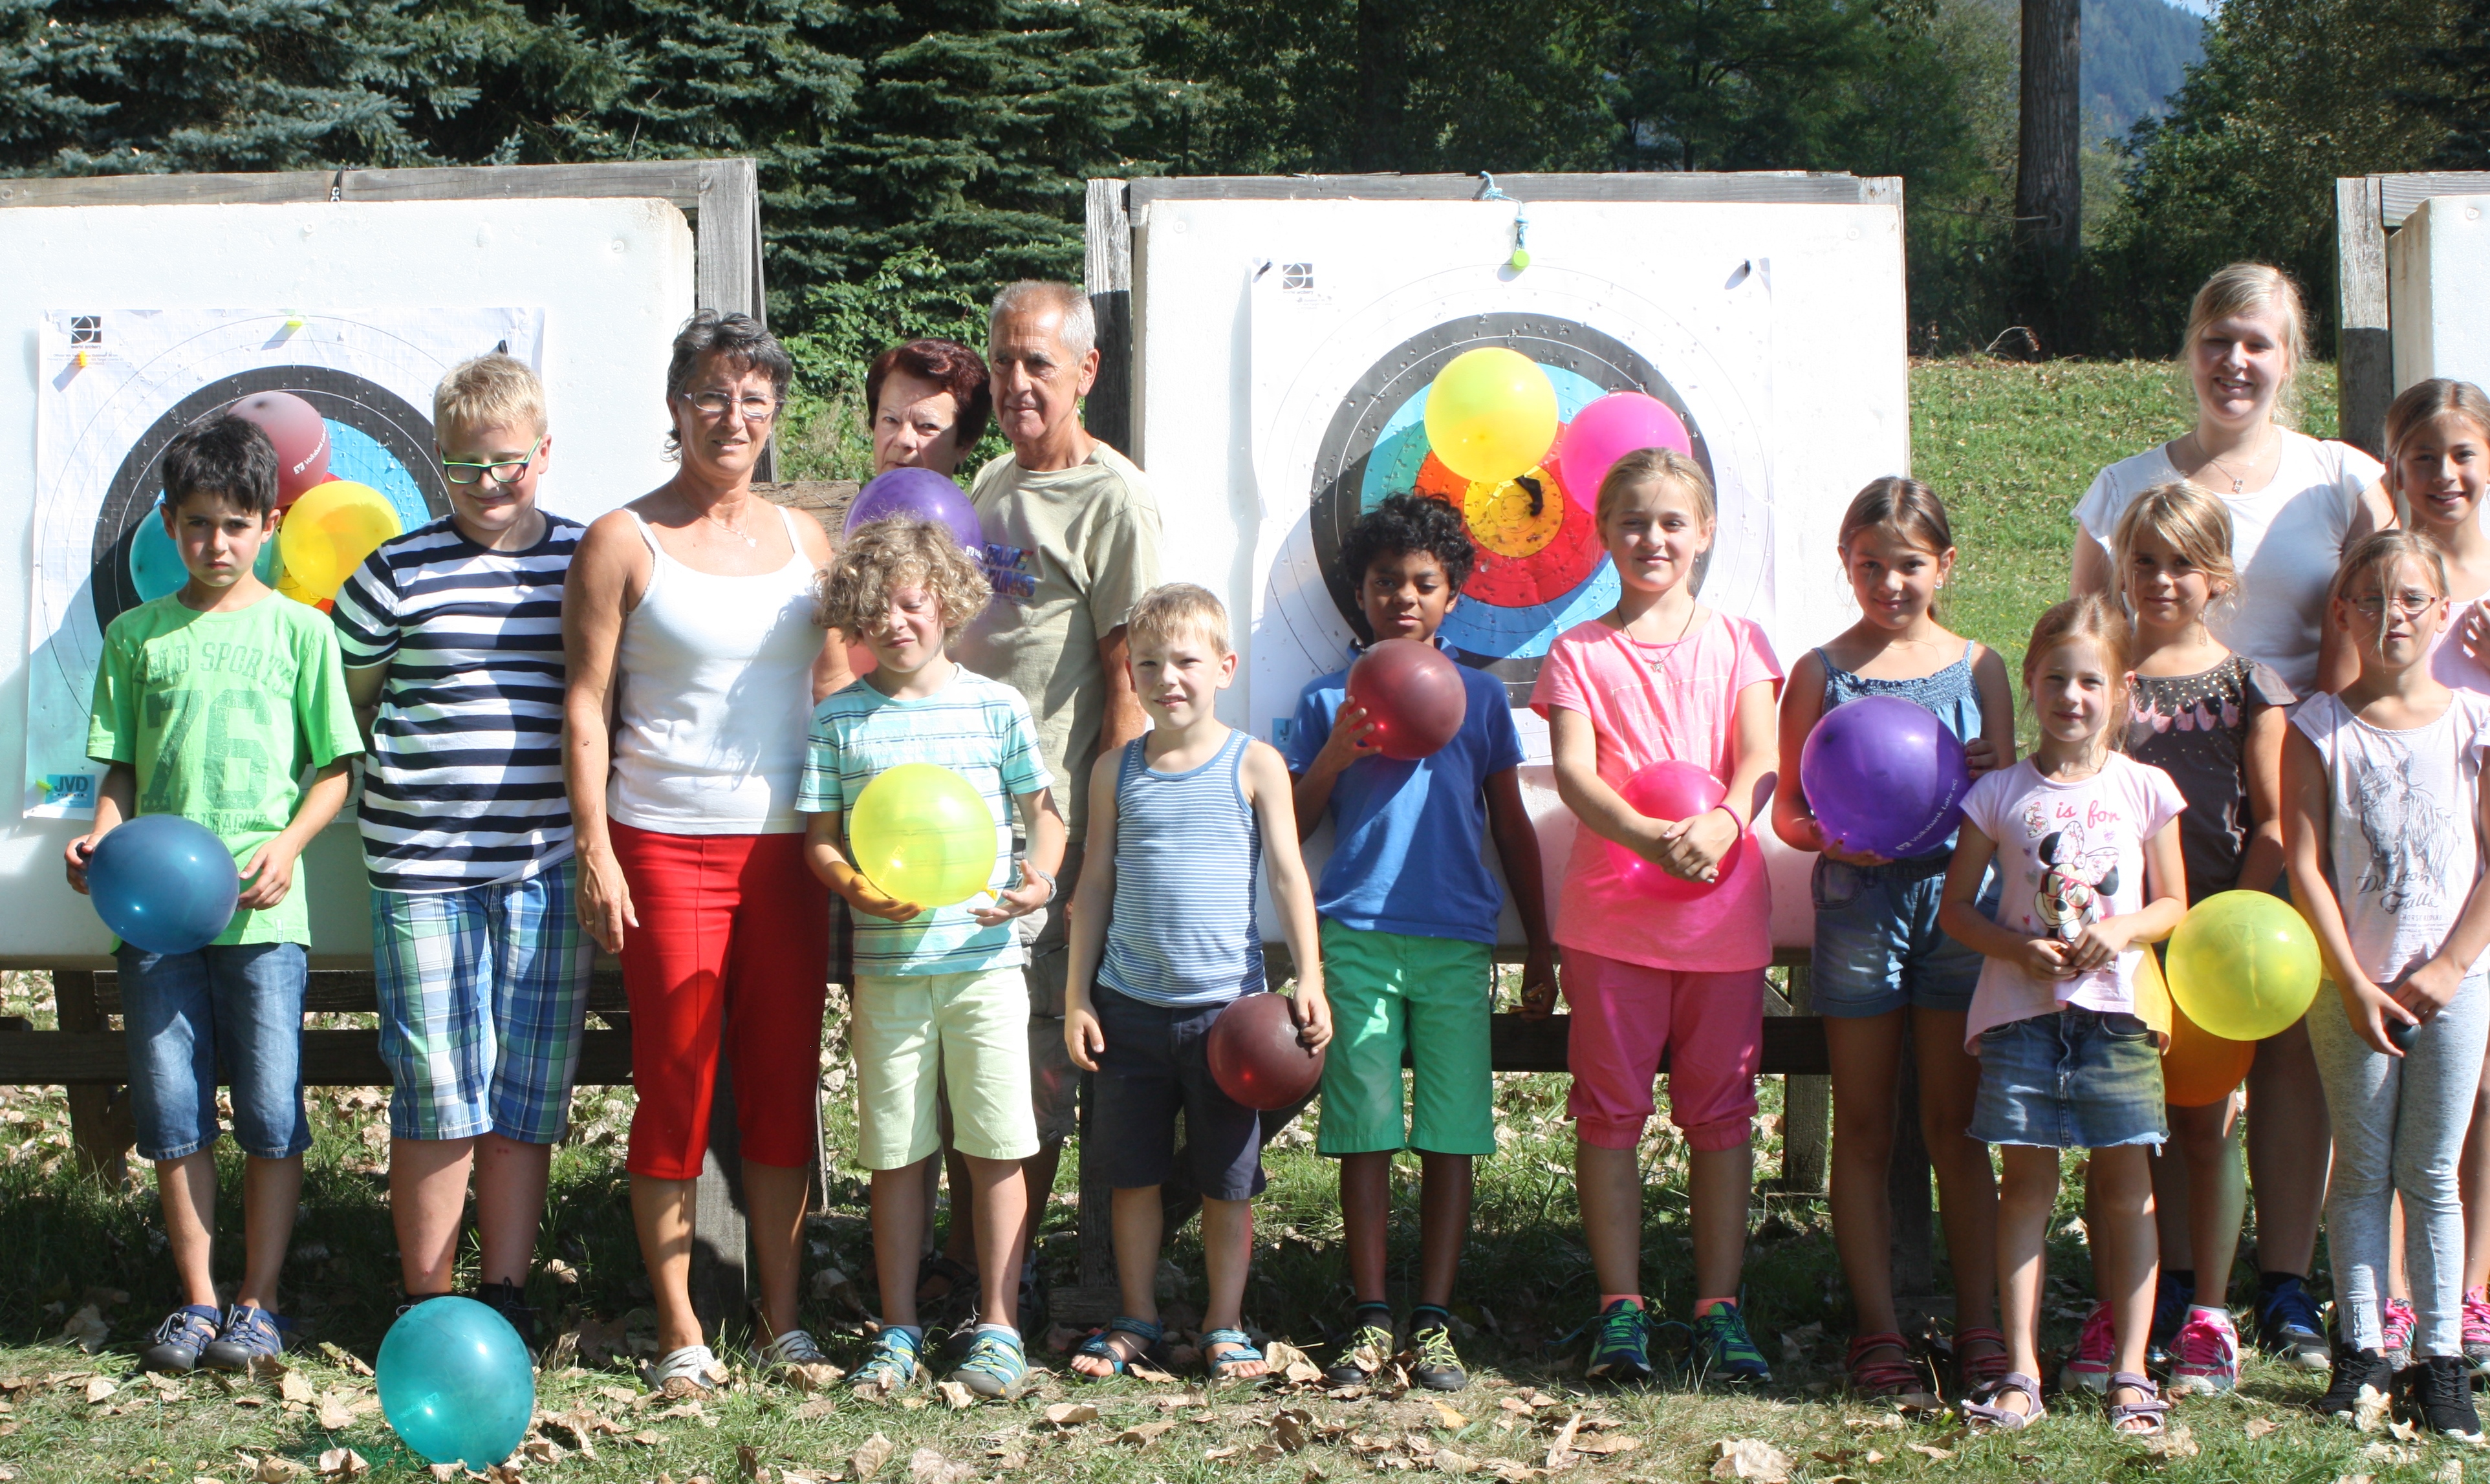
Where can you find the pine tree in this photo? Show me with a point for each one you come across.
(2459, 102)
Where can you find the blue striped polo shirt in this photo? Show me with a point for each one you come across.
(1187, 846)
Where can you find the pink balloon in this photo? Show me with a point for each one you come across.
(1605, 432)
(1670, 789)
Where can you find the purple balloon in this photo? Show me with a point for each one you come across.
(922, 493)
(1884, 777)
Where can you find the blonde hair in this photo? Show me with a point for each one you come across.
(488, 391)
(1647, 466)
(2256, 288)
(2093, 619)
(2423, 403)
(2196, 523)
(854, 593)
(1171, 609)
(2380, 553)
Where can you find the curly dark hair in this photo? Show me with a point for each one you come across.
(1409, 523)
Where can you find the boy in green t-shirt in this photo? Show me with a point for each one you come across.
(211, 703)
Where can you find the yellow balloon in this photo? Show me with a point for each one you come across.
(2243, 966)
(327, 533)
(1490, 415)
(921, 833)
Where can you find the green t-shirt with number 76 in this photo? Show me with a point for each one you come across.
(222, 715)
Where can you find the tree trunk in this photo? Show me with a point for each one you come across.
(1383, 28)
(2048, 181)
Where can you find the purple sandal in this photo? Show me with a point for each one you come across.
(1981, 1409)
(2150, 1412)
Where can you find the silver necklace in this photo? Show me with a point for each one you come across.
(2239, 486)
(736, 531)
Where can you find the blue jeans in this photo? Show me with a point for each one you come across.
(2077, 1080)
(1877, 943)
(239, 1004)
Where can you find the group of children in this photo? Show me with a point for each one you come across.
(2015, 960)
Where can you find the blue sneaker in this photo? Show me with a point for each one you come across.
(1620, 1350)
(249, 1335)
(2289, 1329)
(179, 1340)
(891, 1368)
(2171, 1301)
(1724, 1349)
(994, 1366)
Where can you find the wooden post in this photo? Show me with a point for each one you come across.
(1806, 1110)
(1906, 1186)
(101, 1126)
(2364, 362)
(1107, 413)
(726, 255)
(720, 1238)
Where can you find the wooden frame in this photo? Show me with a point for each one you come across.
(2367, 209)
(723, 197)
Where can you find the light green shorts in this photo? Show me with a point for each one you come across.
(1432, 996)
(966, 1032)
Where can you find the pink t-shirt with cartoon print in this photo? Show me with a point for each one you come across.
(2068, 855)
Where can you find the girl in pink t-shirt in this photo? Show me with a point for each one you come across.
(2086, 844)
(1661, 676)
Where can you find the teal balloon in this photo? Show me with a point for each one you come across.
(456, 1382)
(155, 567)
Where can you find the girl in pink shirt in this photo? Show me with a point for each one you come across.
(1663, 676)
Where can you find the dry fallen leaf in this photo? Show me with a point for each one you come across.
(1742, 1458)
(867, 1461)
(1560, 1451)
(2370, 1409)
(98, 1389)
(343, 1464)
(87, 1330)
(927, 1466)
(294, 1387)
(1929, 1450)
(1449, 1419)
(336, 1416)
(645, 1439)
(1143, 1370)
(2258, 1427)
(1446, 1461)
(1071, 1414)
(345, 1359)
(1606, 1444)
(1290, 1429)
(1141, 1434)
(954, 1395)
(274, 1469)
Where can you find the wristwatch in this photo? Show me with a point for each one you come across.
(1028, 870)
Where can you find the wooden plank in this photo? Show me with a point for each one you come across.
(1804, 186)
(721, 1237)
(103, 1125)
(1911, 1243)
(1806, 1110)
(678, 181)
(1792, 1044)
(2364, 358)
(726, 257)
(1108, 276)
(355, 992)
(2398, 196)
(272, 189)
(330, 1059)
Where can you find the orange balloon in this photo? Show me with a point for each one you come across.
(2200, 1068)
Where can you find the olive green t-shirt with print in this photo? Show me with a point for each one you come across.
(221, 715)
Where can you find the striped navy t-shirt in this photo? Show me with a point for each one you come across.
(464, 785)
(1187, 845)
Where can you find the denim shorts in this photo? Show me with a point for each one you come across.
(234, 1003)
(1157, 1065)
(1877, 944)
(2077, 1080)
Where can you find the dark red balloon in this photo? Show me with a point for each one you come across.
(1256, 1056)
(1413, 694)
(300, 436)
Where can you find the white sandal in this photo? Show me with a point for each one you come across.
(695, 1365)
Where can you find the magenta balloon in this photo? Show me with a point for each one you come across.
(1670, 789)
(921, 494)
(1605, 432)
(1884, 776)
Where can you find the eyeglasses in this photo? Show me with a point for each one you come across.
(504, 472)
(2408, 605)
(715, 404)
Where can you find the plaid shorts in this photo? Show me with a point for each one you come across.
(484, 995)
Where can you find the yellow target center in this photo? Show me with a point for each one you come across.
(1501, 517)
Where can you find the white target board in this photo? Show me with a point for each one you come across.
(1284, 349)
(2438, 270)
(134, 322)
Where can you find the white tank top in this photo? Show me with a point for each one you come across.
(716, 679)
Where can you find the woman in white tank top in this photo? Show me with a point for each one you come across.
(694, 666)
(2296, 503)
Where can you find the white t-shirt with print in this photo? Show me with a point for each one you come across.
(2068, 855)
(2286, 540)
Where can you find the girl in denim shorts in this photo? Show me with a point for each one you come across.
(2086, 844)
(1884, 974)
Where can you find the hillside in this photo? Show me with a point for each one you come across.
(2136, 52)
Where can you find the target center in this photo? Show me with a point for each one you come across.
(1515, 517)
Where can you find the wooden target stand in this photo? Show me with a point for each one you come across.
(2367, 210)
(722, 197)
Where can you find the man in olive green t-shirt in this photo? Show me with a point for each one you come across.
(1072, 539)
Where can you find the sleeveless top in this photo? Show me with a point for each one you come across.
(1186, 848)
(717, 681)
(2195, 729)
(1952, 693)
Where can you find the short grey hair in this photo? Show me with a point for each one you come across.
(1080, 334)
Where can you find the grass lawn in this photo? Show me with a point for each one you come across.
(2010, 447)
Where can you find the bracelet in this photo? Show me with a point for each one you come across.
(1028, 870)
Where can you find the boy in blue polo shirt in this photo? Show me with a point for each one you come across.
(1408, 935)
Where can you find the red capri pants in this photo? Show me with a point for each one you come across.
(732, 953)
(1627, 1017)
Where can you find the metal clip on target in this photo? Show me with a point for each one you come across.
(1520, 258)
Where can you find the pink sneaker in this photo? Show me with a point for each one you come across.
(2398, 1324)
(2476, 1329)
(2205, 1356)
(2095, 1357)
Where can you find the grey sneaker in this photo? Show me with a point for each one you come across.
(249, 1334)
(179, 1340)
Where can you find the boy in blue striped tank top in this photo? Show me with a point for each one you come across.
(938, 995)
(1162, 941)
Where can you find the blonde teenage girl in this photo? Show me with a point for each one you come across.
(2085, 840)
(1885, 975)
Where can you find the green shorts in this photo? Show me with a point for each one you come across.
(1431, 996)
(970, 1032)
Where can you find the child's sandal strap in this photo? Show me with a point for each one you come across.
(1097, 1347)
(2150, 1412)
(1981, 1409)
(1218, 1366)
(1888, 1377)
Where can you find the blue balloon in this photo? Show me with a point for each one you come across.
(164, 883)
(456, 1382)
(155, 562)
(921, 494)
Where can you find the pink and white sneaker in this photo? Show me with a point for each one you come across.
(2477, 1330)
(2095, 1357)
(2398, 1323)
(2205, 1356)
